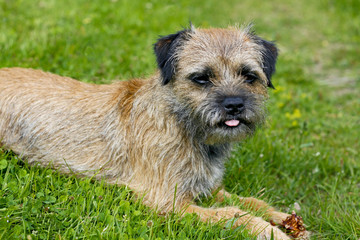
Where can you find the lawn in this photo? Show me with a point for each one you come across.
(305, 158)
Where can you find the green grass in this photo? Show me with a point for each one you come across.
(308, 152)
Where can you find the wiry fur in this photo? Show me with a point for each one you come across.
(154, 135)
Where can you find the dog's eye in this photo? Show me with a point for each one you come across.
(200, 79)
(250, 77)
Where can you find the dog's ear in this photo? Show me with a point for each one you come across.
(166, 50)
(269, 53)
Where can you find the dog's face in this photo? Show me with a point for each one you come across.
(219, 80)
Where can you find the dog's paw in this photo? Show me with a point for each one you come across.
(271, 232)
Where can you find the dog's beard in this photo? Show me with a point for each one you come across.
(210, 123)
(219, 127)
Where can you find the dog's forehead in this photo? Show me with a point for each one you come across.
(209, 45)
(219, 36)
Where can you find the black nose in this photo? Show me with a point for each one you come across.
(233, 105)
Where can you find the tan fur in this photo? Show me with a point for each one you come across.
(156, 135)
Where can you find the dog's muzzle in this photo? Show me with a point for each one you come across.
(233, 107)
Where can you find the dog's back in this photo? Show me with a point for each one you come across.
(44, 116)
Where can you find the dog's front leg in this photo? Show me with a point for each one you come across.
(256, 205)
(290, 222)
(256, 225)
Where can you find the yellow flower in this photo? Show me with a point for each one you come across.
(86, 20)
(295, 115)
(278, 89)
(303, 96)
(294, 123)
(280, 104)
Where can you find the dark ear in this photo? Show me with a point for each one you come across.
(165, 51)
(270, 53)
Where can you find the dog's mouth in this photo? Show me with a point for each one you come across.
(234, 123)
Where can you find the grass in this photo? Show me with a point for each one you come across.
(307, 155)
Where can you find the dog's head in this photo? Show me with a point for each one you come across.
(219, 80)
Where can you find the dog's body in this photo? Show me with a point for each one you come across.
(168, 133)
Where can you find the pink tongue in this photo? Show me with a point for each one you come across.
(232, 123)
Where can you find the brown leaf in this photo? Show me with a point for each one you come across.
(294, 226)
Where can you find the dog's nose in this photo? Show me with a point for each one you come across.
(233, 105)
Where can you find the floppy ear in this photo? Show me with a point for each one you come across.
(166, 50)
(269, 53)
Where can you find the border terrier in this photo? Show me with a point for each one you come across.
(169, 133)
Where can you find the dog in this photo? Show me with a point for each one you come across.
(169, 133)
